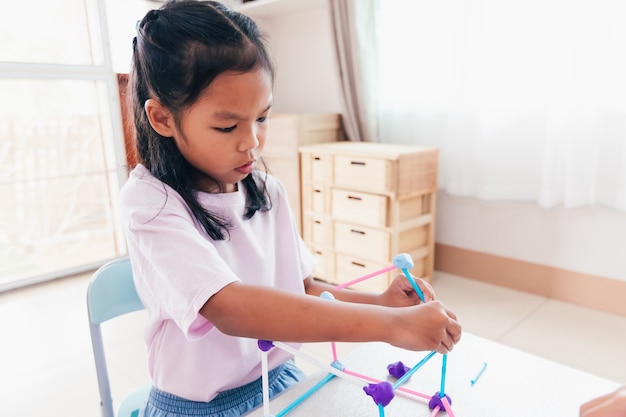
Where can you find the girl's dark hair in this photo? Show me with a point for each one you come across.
(178, 51)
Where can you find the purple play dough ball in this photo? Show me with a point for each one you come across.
(397, 369)
(382, 393)
(265, 345)
(435, 401)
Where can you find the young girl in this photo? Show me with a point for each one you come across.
(216, 256)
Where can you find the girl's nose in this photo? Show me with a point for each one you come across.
(248, 139)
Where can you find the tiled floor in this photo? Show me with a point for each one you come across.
(46, 367)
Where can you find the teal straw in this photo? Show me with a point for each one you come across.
(306, 395)
(413, 370)
(413, 284)
(442, 391)
(381, 410)
(473, 381)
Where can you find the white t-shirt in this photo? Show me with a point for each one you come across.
(177, 267)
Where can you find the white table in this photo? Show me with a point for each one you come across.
(513, 384)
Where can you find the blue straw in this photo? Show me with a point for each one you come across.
(381, 410)
(306, 395)
(413, 284)
(473, 381)
(413, 370)
(442, 391)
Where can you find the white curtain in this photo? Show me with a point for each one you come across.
(356, 43)
(526, 99)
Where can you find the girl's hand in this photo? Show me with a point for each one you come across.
(609, 405)
(428, 326)
(401, 293)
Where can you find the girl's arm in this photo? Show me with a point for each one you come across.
(399, 294)
(272, 314)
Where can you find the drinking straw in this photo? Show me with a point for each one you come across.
(413, 284)
(364, 277)
(305, 395)
(477, 377)
(442, 391)
(265, 384)
(413, 370)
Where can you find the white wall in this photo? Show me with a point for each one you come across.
(307, 78)
(586, 240)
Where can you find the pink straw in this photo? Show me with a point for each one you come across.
(364, 277)
(435, 411)
(446, 405)
(403, 389)
(333, 346)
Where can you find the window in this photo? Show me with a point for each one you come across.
(61, 142)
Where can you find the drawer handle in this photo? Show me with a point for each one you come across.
(360, 232)
(318, 252)
(358, 264)
(317, 158)
(317, 191)
(357, 163)
(318, 222)
(352, 197)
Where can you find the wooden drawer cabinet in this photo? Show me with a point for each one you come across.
(364, 203)
(287, 133)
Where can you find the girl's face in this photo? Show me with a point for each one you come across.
(223, 133)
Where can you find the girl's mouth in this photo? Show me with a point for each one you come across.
(246, 168)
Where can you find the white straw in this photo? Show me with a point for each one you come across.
(266, 388)
(319, 364)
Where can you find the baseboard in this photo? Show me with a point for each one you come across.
(597, 292)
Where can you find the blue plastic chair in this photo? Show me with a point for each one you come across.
(111, 293)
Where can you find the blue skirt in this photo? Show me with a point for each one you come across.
(231, 403)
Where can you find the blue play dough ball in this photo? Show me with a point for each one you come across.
(327, 295)
(403, 261)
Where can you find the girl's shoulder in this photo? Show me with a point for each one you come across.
(141, 184)
(144, 193)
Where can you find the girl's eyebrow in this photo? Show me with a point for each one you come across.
(225, 114)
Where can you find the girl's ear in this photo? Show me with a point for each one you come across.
(160, 118)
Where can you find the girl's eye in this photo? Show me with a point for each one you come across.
(226, 129)
(261, 119)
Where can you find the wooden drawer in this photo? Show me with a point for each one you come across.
(349, 268)
(317, 167)
(324, 264)
(365, 242)
(318, 230)
(358, 207)
(316, 198)
(367, 174)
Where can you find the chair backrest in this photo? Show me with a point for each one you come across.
(111, 293)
